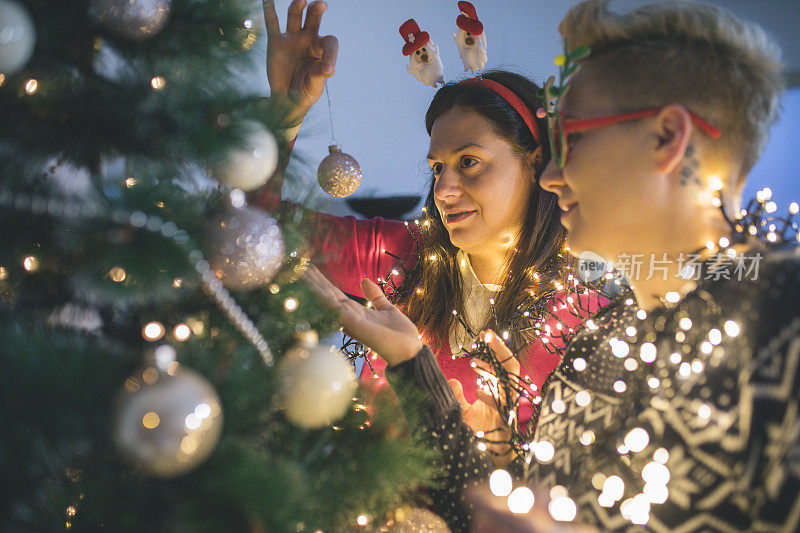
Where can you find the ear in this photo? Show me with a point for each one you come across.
(673, 131)
(535, 161)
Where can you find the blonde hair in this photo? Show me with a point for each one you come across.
(701, 56)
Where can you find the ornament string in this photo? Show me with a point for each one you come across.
(155, 224)
(330, 114)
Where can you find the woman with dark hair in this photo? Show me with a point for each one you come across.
(490, 244)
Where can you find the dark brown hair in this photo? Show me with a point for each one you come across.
(432, 290)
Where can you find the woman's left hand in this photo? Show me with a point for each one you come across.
(383, 327)
(484, 414)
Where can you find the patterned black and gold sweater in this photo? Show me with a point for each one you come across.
(685, 418)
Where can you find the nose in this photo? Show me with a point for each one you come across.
(424, 58)
(551, 179)
(447, 187)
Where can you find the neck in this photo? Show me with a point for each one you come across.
(488, 267)
(665, 278)
(659, 273)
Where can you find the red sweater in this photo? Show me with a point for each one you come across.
(350, 249)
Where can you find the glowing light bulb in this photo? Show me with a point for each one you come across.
(562, 509)
(30, 263)
(153, 331)
(619, 348)
(521, 500)
(731, 328)
(579, 364)
(647, 353)
(794, 208)
(158, 83)
(771, 207)
(614, 487)
(637, 439)
(31, 86)
(151, 420)
(583, 398)
(685, 323)
(500, 483)
(544, 451)
(673, 297)
(182, 332)
(655, 473)
(362, 520)
(620, 386)
(117, 274)
(290, 304)
(661, 455)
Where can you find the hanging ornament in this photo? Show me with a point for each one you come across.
(168, 418)
(409, 519)
(317, 385)
(470, 38)
(339, 174)
(246, 247)
(17, 37)
(132, 19)
(423, 62)
(251, 164)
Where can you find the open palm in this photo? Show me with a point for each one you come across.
(381, 326)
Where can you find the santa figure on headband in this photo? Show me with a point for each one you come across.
(470, 39)
(424, 62)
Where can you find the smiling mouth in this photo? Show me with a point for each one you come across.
(452, 218)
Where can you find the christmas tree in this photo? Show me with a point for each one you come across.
(157, 347)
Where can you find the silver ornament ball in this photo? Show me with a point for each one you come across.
(339, 174)
(317, 385)
(168, 420)
(251, 164)
(132, 19)
(17, 37)
(246, 248)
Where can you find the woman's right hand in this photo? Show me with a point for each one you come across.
(382, 326)
(299, 61)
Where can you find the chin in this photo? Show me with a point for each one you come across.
(581, 243)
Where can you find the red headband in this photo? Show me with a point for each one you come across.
(513, 99)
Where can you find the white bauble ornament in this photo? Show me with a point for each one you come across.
(168, 418)
(252, 164)
(17, 37)
(246, 247)
(317, 385)
(132, 19)
(339, 174)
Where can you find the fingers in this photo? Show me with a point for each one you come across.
(314, 16)
(501, 351)
(375, 295)
(294, 19)
(458, 391)
(271, 17)
(330, 52)
(324, 288)
(324, 67)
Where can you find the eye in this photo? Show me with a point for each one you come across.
(436, 168)
(423, 48)
(468, 161)
(468, 34)
(417, 52)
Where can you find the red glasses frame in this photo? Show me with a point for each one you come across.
(560, 128)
